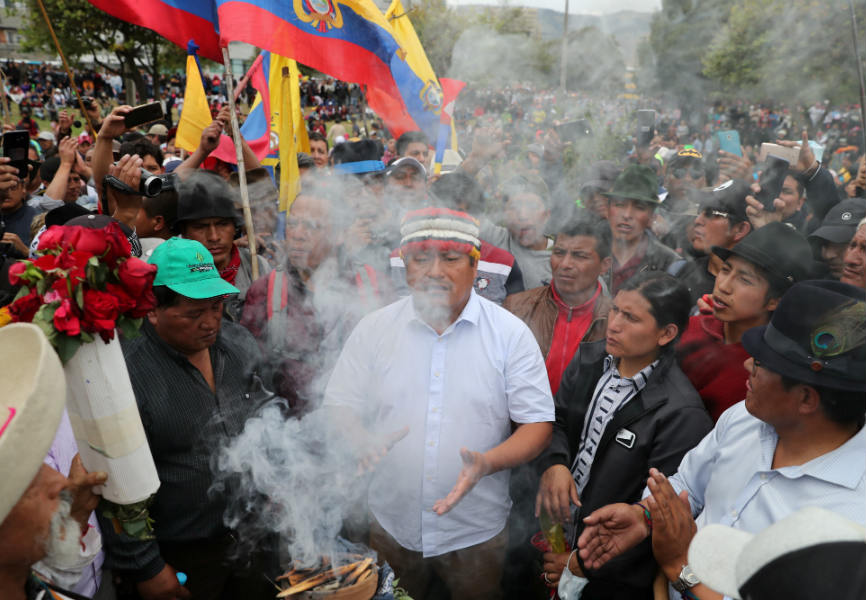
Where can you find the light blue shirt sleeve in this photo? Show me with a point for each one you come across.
(696, 468)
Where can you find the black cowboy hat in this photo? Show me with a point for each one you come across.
(817, 336)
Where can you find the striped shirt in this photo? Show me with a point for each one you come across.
(612, 392)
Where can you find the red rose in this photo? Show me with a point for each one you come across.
(46, 262)
(65, 319)
(146, 303)
(84, 239)
(125, 302)
(62, 288)
(15, 272)
(118, 245)
(51, 238)
(100, 313)
(74, 263)
(136, 276)
(23, 309)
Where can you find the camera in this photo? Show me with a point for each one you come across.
(149, 185)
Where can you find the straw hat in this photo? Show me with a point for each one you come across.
(32, 398)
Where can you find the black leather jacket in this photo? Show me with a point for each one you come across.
(665, 420)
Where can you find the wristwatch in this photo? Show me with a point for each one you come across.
(686, 580)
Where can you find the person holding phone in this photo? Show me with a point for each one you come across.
(752, 277)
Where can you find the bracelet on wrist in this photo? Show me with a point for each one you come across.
(647, 517)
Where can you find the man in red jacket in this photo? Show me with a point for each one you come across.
(573, 307)
(754, 275)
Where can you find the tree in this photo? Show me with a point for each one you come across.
(792, 50)
(605, 72)
(438, 28)
(84, 30)
(679, 33)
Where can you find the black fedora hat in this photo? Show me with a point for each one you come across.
(780, 250)
(817, 336)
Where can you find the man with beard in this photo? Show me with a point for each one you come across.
(466, 382)
(43, 514)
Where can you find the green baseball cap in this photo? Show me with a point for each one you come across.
(186, 267)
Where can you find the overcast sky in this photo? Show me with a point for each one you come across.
(583, 7)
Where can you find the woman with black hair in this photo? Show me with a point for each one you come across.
(623, 406)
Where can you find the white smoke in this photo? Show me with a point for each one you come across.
(297, 478)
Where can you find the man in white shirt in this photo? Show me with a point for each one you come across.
(467, 379)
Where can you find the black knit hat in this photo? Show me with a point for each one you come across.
(817, 336)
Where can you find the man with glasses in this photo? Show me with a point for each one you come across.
(722, 222)
(752, 277)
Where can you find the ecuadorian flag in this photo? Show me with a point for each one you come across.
(348, 39)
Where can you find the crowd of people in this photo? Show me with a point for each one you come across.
(630, 343)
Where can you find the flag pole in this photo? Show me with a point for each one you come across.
(859, 74)
(285, 143)
(364, 110)
(242, 172)
(3, 100)
(66, 66)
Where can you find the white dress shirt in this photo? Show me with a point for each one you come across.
(459, 389)
(731, 480)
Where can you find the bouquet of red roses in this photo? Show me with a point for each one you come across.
(85, 283)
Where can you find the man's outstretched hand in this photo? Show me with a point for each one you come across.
(374, 449)
(610, 531)
(475, 466)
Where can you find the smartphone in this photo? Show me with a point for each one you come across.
(817, 150)
(144, 114)
(646, 126)
(771, 180)
(573, 130)
(16, 145)
(729, 141)
(792, 155)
